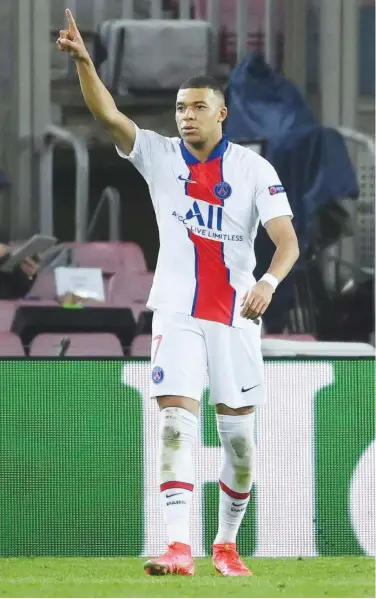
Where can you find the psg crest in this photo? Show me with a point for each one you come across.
(223, 190)
(157, 375)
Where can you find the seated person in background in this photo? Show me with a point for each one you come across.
(15, 284)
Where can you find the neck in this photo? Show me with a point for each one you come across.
(202, 154)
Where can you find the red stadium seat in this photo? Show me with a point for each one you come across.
(118, 291)
(137, 310)
(141, 346)
(134, 258)
(121, 263)
(111, 257)
(7, 311)
(82, 344)
(139, 287)
(44, 287)
(10, 345)
(292, 337)
(132, 290)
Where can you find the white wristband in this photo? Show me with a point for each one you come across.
(271, 279)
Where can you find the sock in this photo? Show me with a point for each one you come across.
(238, 458)
(178, 432)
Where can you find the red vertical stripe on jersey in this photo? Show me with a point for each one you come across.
(214, 297)
(205, 176)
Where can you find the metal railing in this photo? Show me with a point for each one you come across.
(364, 207)
(350, 259)
(110, 195)
(52, 137)
(359, 138)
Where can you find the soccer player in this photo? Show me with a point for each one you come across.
(209, 196)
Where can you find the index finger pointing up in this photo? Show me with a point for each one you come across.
(71, 21)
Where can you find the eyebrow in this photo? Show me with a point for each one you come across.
(197, 102)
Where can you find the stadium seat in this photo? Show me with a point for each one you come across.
(131, 289)
(292, 337)
(139, 287)
(44, 287)
(111, 257)
(134, 258)
(118, 293)
(141, 346)
(10, 345)
(7, 311)
(144, 322)
(81, 344)
(137, 310)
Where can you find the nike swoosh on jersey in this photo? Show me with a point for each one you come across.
(249, 388)
(181, 178)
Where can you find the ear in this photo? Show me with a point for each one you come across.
(222, 114)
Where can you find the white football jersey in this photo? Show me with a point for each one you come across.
(208, 215)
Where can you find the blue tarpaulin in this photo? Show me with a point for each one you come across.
(4, 182)
(311, 161)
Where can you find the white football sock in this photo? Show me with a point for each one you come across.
(238, 459)
(178, 432)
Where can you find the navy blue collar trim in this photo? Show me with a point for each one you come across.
(218, 152)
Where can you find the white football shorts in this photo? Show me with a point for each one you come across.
(184, 349)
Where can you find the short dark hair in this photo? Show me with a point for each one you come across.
(203, 81)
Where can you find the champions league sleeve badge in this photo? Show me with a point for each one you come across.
(274, 189)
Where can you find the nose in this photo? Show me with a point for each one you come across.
(188, 114)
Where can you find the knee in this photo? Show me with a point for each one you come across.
(177, 434)
(242, 458)
(177, 426)
(170, 436)
(237, 438)
(242, 451)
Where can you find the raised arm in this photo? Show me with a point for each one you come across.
(97, 97)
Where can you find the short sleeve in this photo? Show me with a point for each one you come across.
(146, 144)
(271, 198)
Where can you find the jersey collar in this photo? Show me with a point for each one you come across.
(218, 151)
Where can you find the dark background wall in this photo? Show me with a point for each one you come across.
(106, 168)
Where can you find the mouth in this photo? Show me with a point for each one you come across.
(189, 129)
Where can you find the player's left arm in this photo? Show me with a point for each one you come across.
(275, 214)
(282, 234)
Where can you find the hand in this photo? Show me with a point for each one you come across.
(4, 250)
(29, 267)
(70, 40)
(255, 302)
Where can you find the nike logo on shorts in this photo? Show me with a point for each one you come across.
(181, 178)
(238, 504)
(249, 388)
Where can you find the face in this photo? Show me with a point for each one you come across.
(199, 115)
